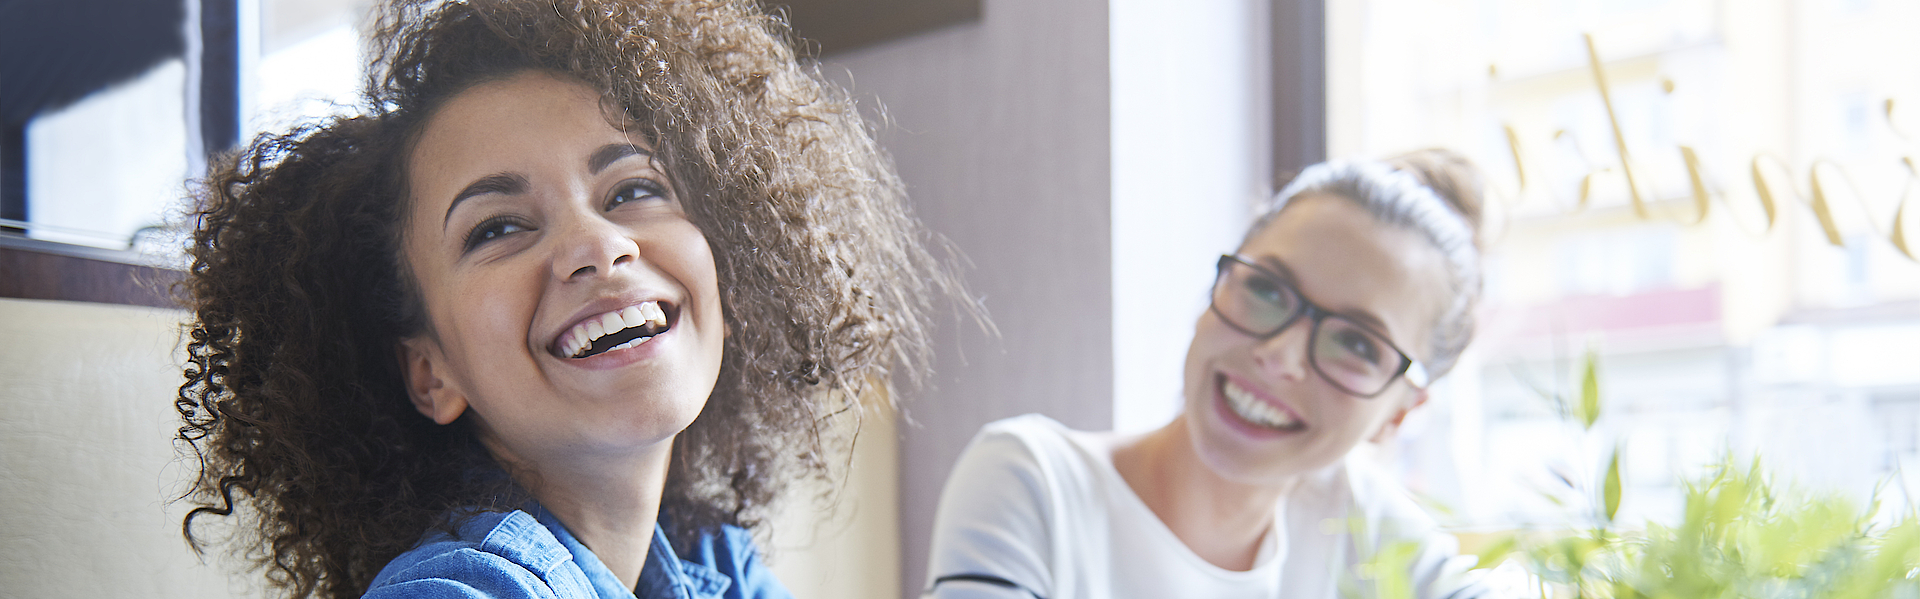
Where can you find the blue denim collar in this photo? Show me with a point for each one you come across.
(665, 575)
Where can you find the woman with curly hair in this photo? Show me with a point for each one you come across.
(575, 295)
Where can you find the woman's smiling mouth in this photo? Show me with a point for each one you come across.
(1256, 411)
(619, 329)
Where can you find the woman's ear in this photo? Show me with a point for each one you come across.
(1392, 425)
(433, 394)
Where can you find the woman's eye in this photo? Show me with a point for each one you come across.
(492, 229)
(1267, 290)
(641, 189)
(1359, 345)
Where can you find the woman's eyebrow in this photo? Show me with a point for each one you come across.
(1370, 321)
(507, 183)
(611, 153)
(1275, 266)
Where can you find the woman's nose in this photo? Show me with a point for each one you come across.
(591, 246)
(1284, 355)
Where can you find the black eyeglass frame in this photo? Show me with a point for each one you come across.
(1410, 369)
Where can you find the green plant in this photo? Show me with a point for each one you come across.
(1741, 535)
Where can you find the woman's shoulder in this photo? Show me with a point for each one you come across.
(487, 554)
(1020, 452)
(1013, 503)
(1030, 468)
(1036, 452)
(516, 554)
(1041, 437)
(728, 558)
(1025, 426)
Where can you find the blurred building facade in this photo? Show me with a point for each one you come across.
(1714, 335)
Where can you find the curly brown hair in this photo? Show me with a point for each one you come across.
(294, 403)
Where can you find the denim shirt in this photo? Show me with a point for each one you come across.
(518, 554)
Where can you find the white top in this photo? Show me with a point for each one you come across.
(1035, 504)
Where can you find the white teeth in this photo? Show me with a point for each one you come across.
(574, 343)
(653, 314)
(632, 343)
(1253, 409)
(582, 335)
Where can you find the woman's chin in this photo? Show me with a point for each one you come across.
(1244, 453)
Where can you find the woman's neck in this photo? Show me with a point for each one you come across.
(1222, 521)
(610, 506)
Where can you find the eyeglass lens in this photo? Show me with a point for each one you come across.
(1348, 355)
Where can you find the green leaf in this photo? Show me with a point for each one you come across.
(1611, 488)
(1590, 390)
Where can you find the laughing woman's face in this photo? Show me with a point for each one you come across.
(573, 309)
(1260, 411)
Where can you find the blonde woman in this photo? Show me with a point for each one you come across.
(1349, 295)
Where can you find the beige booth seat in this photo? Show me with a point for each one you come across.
(87, 462)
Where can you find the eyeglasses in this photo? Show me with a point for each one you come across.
(1354, 358)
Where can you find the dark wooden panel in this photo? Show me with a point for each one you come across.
(30, 272)
(13, 172)
(831, 26)
(219, 75)
(1299, 86)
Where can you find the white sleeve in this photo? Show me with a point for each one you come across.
(991, 533)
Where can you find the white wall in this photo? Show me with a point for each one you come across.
(87, 462)
(1190, 145)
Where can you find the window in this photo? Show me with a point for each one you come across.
(108, 116)
(1712, 335)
